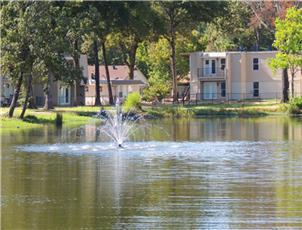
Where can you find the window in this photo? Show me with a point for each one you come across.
(207, 68)
(67, 95)
(222, 63)
(256, 89)
(93, 76)
(222, 87)
(120, 94)
(213, 66)
(86, 88)
(255, 63)
(101, 88)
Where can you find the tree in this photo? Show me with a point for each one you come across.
(93, 20)
(179, 16)
(288, 41)
(154, 57)
(101, 17)
(230, 31)
(136, 24)
(73, 14)
(159, 86)
(15, 45)
(110, 12)
(50, 47)
(262, 19)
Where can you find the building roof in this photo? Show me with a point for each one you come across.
(123, 82)
(227, 52)
(117, 72)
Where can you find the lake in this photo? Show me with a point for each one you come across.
(207, 173)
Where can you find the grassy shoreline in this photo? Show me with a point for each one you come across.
(73, 116)
(246, 109)
(36, 118)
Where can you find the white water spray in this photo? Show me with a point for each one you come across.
(119, 127)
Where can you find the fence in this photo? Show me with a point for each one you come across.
(206, 98)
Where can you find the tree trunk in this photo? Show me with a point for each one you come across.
(257, 36)
(31, 101)
(173, 65)
(97, 73)
(77, 96)
(16, 96)
(285, 84)
(28, 93)
(107, 74)
(132, 58)
(48, 104)
(293, 83)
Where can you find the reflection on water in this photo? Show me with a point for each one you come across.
(178, 174)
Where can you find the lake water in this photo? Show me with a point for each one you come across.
(220, 173)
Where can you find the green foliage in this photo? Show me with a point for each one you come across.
(138, 23)
(288, 41)
(33, 36)
(289, 32)
(15, 38)
(155, 56)
(155, 59)
(226, 32)
(295, 105)
(159, 86)
(133, 102)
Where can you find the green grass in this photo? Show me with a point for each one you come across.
(233, 109)
(36, 118)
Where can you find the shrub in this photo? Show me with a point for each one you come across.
(295, 105)
(133, 102)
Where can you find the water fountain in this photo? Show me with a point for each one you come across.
(119, 126)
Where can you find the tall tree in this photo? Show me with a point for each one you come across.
(93, 21)
(288, 41)
(262, 19)
(179, 17)
(15, 45)
(231, 31)
(101, 18)
(110, 12)
(50, 46)
(73, 14)
(137, 23)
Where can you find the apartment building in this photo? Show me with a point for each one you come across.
(236, 76)
(64, 94)
(120, 82)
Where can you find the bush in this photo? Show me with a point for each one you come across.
(133, 102)
(295, 105)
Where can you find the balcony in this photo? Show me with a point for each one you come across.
(209, 73)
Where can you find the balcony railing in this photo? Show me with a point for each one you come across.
(209, 72)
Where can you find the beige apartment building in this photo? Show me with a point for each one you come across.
(64, 94)
(120, 82)
(236, 76)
